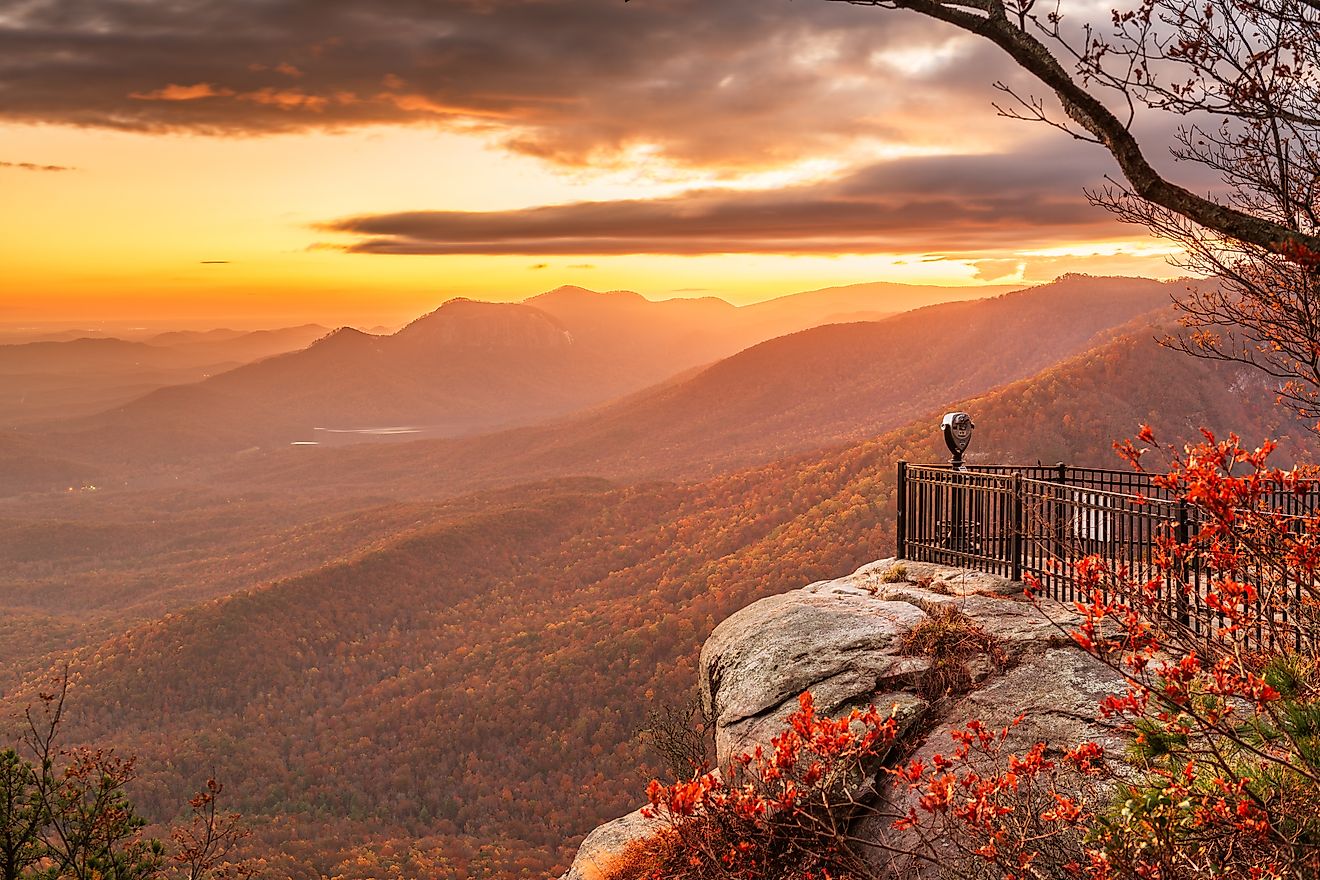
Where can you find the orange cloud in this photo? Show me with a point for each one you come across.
(174, 92)
(979, 204)
(422, 104)
(995, 270)
(285, 99)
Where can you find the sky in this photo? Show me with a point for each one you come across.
(360, 161)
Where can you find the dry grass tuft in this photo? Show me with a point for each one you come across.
(949, 638)
(895, 574)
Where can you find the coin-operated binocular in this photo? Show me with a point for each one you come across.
(957, 427)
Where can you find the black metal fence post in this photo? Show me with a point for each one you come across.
(1015, 537)
(1184, 568)
(1058, 535)
(900, 520)
(957, 511)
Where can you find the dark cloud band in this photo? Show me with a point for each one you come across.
(33, 166)
(946, 203)
(734, 83)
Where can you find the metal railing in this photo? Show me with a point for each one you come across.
(1042, 519)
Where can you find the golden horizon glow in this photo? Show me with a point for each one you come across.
(201, 230)
(359, 163)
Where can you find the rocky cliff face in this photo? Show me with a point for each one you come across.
(840, 639)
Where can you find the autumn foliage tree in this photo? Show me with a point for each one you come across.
(1225, 715)
(781, 812)
(1222, 705)
(1218, 647)
(65, 814)
(1218, 650)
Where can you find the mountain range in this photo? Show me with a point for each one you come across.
(812, 388)
(432, 658)
(463, 368)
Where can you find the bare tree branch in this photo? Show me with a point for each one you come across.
(988, 19)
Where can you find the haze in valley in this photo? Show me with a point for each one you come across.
(394, 396)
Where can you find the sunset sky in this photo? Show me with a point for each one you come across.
(359, 161)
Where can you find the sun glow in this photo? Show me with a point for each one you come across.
(196, 229)
(922, 60)
(1107, 249)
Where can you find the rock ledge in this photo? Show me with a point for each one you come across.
(839, 639)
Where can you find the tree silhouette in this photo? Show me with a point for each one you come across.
(1242, 78)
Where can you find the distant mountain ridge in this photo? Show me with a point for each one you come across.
(43, 380)
(463, 323)
(802, 391)
(465, 368)
(868, 301)
(174, 349)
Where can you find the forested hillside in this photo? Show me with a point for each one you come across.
(463, 694)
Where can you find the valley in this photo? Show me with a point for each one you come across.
(434, 656)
